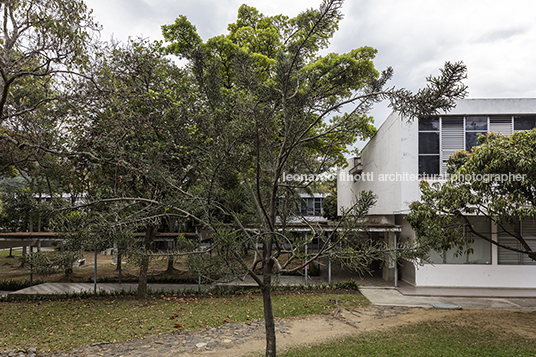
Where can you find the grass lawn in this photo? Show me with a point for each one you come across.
(473, 335)
(63, 325)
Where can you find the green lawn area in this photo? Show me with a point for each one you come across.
(448, 337)
(61, 325)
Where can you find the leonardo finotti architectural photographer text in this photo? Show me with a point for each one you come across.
(400, 176)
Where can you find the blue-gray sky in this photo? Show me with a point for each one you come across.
(495, 38)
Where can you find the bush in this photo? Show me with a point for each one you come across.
(14, 285)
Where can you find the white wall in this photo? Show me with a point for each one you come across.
(390, 168)
(510, 106)
(480, 276)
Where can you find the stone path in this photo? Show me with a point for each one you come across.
(204, 341)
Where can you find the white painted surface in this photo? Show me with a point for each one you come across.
(489, 106)
(482, 276)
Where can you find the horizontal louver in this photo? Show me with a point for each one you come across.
(501, 125)
(452, 138)
(529, 233)
(506, 256)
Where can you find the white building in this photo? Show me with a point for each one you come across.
(401, 154)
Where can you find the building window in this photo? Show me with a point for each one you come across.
(474, 126)
(477, 250)
(310, 206)
(429, 146)
(526, 122)
(440, 137)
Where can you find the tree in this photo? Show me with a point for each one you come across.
(137, 123)
(274, 102)
(44, 44)
(497, 180)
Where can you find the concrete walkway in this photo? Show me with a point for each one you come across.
(378, 291)
(407, 295)
(73, 288)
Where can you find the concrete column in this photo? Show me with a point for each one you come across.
(494, 248)
(388, 272)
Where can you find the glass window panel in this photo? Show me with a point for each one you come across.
(476, 123)
(524, 122)
(318, 206)
(429, 165)
(310, 207)
(471, 139)
(428, 143)
(454, 257)
(429, 124)
(481, 247)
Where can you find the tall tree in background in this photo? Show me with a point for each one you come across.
(44, 47)
(275, 104)
(137, 123)
(44, 44)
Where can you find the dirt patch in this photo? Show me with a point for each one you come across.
(350, 322)
(10, 269)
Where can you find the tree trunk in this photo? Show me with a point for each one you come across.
(268, 310)
(170, 264)
(171, 259)
(119, 265)
(142, 284)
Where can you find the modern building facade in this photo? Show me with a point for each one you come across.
(402, 153)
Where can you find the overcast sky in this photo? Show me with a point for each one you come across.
(496, 39)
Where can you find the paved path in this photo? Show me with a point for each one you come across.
(392, 297)
(70, 288)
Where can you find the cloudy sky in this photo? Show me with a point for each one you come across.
(496, 39)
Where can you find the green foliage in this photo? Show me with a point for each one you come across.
(14, 285)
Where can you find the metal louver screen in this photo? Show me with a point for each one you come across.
(501, 125)
(528, 230)
(529, 233)
(507, 256)
(452, 138)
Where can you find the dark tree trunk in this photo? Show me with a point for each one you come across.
(268, 309)
(170, 267)
(119, 265)
(142, 284)
(171, 259)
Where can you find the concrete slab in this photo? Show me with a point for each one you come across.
(393, 297)
(409, 290)
(72, 288)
